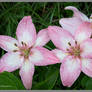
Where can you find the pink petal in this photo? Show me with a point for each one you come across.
(87, 66)
(26, 31)
(70, 24)
(77, 13)
(8, 43)
(42, 38)
(83, 32)
(41, 56)
(10, 62)
(61, 38)
(70, 71)
(26, 73)
(60, 54)
(86, 48)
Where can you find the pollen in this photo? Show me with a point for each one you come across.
(25, 52)
(74, 50)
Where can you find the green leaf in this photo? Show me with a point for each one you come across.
(9, 81)
(49, 82)
(83, 81)
(87, 82)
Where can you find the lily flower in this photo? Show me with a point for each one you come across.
(74, 51)
(71, 24)
(26, 52)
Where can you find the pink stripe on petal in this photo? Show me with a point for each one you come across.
(60, 37)
(70, 71)
(26, 73)
(42, 38)
(8, 43)
(26, 31)
(87, 66)
(41, 56)
(10, 62)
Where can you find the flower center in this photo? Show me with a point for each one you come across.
(26, 52)
(74, 50)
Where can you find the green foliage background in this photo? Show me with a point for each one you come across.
(43, 15)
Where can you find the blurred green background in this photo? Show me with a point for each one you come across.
(43, 15)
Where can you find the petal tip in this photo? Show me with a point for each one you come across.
(26, 18)
(70, 8)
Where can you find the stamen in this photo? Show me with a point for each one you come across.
(69, 43)
(15, 44)
(67, 49)
(25, 44)
(22, 42)
(15, 50)
(91, 36)
(21, 55)
(72, 48)
(76, 42)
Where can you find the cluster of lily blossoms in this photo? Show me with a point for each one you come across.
(73, 48)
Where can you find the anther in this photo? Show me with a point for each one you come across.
(22, 42)
(67, 49)
(15, 44)
(76, 42)
(69, 43)
(25, 44)
(14, 50)
(91, 36)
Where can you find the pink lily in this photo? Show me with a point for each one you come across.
(26, 52)
(74, 51)
(71, 24)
